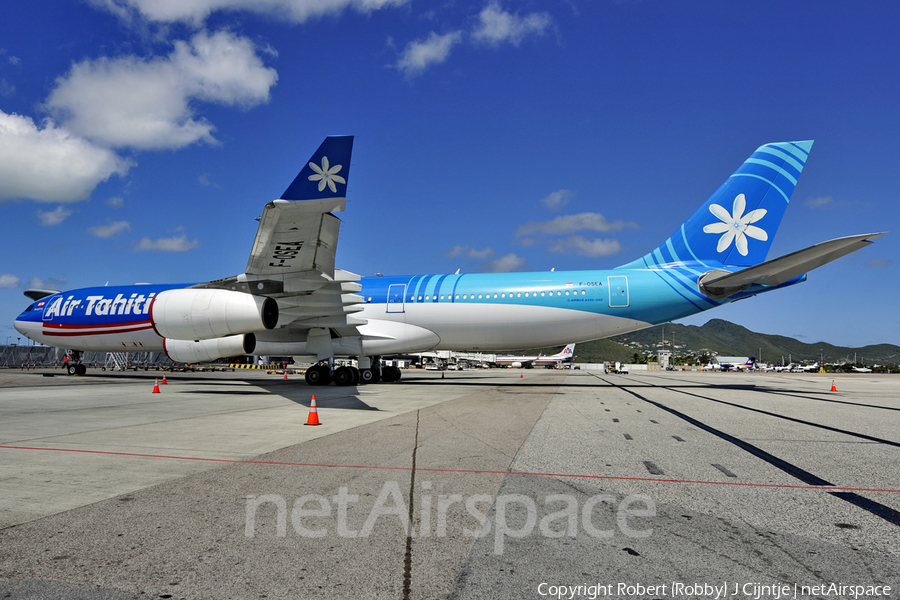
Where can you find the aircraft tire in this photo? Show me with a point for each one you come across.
(390, 374)
(72, 369)
(318, 375)
(369, 376)
(80, 369)
(343, 376)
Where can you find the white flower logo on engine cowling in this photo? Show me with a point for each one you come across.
(736, 226)
(325, 175)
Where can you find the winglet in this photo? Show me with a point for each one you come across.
(326, 173)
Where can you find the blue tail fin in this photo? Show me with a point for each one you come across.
(736, 226)
(326, 174)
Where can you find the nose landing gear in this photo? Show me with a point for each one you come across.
(74, 366)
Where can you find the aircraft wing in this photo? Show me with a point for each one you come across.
(720, 284)
(292, 258)
(295, 237)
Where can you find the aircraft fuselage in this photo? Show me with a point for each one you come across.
(479, 311)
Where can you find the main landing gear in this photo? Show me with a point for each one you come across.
(322, 374)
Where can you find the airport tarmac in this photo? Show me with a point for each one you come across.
(513, 484)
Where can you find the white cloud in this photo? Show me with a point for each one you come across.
(51, 283)
(469, 252)
(54, 217)
(496, 26)
(572, 223)
(819, 202)
(9, 281)
(178, 243)
(196, 11)
(557, 199)
(879, 263)
(51, 164)
(419, 55)
(115, 201)
(580, 245)
(504, 264)
(107, 231)
(148, 103)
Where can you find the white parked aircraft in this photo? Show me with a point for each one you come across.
(528, 362)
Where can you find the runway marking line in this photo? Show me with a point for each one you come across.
(435, 470)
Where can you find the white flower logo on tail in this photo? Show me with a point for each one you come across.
(736, 226)
(325, 175)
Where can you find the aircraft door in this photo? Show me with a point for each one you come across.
(396, 298)
(618, 291)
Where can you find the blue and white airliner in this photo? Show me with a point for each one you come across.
(292, 301)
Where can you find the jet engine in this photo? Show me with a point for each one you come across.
(189, 314)
(209, 350)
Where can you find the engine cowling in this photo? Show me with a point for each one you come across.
(201, 351)
(189, 314)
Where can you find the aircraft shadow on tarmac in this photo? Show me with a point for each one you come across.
(302, 394)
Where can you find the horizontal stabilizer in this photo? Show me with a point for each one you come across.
(36, 294)
(720, 284)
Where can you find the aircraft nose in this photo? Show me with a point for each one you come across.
(20, 327)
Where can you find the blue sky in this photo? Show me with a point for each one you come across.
(139, 139)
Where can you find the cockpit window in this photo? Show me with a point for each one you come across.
(30, 308)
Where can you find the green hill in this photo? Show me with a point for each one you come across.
(722, 338)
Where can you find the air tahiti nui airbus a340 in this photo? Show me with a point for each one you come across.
(292, 301)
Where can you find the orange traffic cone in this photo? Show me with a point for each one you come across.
(313, 418)
(164, 382)
(522, 376)
(285, 373)
(833, 388)
(155, 387)
(442, 375)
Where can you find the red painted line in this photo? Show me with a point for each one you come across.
(100, 332)
(434, 470)
(95, 326)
